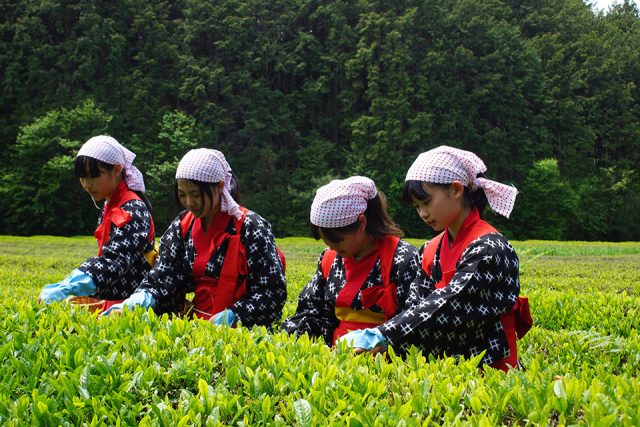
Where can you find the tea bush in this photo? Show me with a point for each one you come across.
(66, 366)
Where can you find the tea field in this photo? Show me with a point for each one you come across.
(63, 366)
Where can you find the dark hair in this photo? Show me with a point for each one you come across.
(89, 167)
(207, 188)
(472, 199)
(379, 223)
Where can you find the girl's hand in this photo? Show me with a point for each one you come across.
(379, 349)
(373, 351)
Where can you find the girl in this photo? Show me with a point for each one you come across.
(465, 299)
(363, 278)
(217, 249)
(125, 230)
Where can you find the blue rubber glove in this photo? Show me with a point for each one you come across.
(225, 317)
(77, 283)
(138, 298)
(365, 338)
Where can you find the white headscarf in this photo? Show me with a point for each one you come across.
(108, 150)
(444, 164)
(340, 202)
(208, 165)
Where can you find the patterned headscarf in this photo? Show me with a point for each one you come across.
(444, 164)
(108, 150)
(340, 202)
(208, 165)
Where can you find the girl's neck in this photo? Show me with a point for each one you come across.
(115, 190)
(367, 247)
(208, 219)
(455, 226)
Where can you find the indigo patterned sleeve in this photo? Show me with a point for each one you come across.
(421, 285)
(315, 314)
(266, 282)
(168, 281)
(406, 265)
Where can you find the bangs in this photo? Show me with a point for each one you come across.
(414, 190)
(330, 234)
(333, 235)
(88, 167)
(205, 188)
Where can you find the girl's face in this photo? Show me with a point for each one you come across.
(444, 206)
(200, 205)
(355, 243)
(102, 186)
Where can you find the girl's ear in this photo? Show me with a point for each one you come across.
(457, 189)
(117, 169)
(220, 185)
(362, 219)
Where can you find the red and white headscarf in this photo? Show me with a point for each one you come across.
(444, 164)
(108, 150)
(208, 165)
(340, 202)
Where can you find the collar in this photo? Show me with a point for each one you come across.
(218, 224)
(118, 194)
(467, 225)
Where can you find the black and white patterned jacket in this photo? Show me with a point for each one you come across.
(170, 278)
(315, 314)
(462, 318)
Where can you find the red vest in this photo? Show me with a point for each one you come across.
(517, 321)
(114, 214)
(383, 296)
(212, 295)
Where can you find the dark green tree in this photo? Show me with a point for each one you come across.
(40, 191)
(297, 92)
(546, 205)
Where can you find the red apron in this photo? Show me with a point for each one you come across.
(517, 321)
(357, 272)
(114, 214)
(212, 295)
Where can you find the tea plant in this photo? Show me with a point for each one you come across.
(65, 366)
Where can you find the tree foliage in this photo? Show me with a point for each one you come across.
(298, 92)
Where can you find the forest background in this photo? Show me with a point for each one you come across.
(297, 92)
